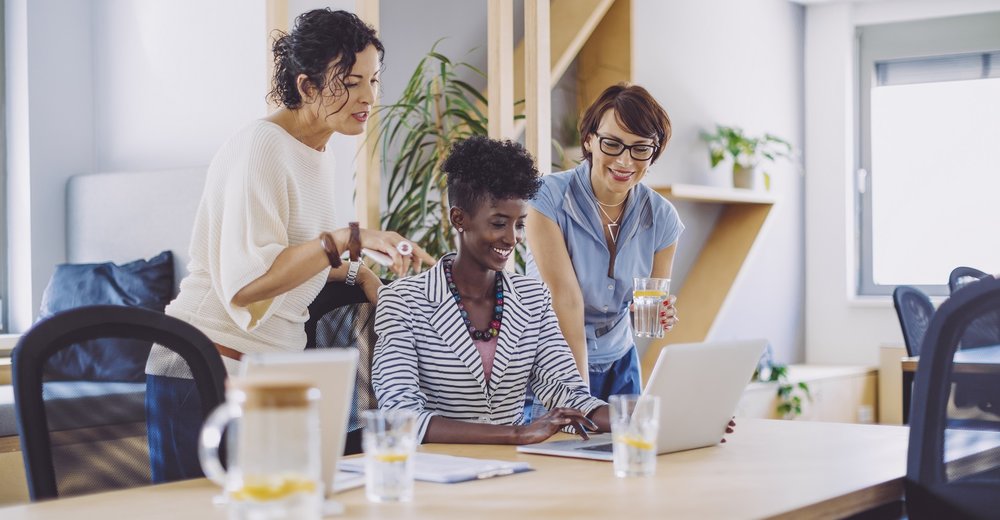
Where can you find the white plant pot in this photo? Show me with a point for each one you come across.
(745, 178)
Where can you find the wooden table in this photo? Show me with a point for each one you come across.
(767, 469)
(979, 360)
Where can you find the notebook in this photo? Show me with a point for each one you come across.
(447, 469)
(699, 385)
(332, 371)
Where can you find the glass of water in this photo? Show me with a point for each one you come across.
(635, 421)
(648, 295)
(389, 441)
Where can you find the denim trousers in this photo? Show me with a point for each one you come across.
(606, 379)
(173, 424)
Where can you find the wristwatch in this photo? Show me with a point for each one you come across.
(354, 249)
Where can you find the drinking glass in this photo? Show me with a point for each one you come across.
(635, 421)
(389, 441)
(648, 295)
(272, 449)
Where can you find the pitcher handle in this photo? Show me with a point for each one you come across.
(211, 438)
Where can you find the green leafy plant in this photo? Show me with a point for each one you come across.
(746, 152)
(414, 135)
(790, 394)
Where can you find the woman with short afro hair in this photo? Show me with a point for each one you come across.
(461, 343)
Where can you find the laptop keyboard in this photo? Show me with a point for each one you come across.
(604, 448)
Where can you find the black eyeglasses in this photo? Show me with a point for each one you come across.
(614, 148)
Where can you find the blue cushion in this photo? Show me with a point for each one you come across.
(142, 283)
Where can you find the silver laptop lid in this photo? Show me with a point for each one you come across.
(700, 385)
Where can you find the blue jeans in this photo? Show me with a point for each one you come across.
(606, 379)
(173, 424)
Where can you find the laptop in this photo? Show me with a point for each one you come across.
(332, 371)
(699, 385)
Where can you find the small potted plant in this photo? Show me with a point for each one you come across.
(746, 152)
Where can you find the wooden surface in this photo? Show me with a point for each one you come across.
(538, 93)
(719, 261)
(571, 22)
(500, 68)
(276, 21)
(766, 469)
(606, 57)
(368, 164)
(890, 384)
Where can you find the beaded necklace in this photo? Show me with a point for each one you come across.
(478, 335)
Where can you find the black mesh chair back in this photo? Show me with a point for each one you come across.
(81, 433)
(953, 465)
(914, 309)
(342, 317)
(962, 276)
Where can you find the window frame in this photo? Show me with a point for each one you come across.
(875, 43)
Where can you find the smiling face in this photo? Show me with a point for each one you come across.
(490, 233)
(345, 107)
(613, 176)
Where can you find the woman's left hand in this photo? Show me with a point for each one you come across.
(668, 314)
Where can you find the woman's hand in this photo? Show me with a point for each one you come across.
(668, 314)
(369, 283)
(547, 425)
(387, 242)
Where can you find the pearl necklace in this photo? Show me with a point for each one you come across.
(478, 335)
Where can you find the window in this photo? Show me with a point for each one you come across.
(928, 184)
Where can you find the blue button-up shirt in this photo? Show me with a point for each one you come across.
(650, 224)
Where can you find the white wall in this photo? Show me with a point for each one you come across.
(735, 63)
(112, 85)
(841, 327)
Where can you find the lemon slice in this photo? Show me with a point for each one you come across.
(391, 457)
(649, 294)
(274, 489)
(634, 442)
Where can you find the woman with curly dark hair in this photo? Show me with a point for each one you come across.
(461, 343)
(265, 241)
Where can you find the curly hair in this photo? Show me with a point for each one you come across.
(481, 169)
(318, 38)
(636, 111)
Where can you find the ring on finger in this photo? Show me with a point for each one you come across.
(405, 248)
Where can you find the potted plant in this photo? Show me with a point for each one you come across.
(790, 395)
(414, 135)
(746, 152)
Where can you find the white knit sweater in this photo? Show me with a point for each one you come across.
(265, 191)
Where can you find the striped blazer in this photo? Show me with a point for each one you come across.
(425, 360)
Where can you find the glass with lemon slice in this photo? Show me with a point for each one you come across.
(648, 295)
(389, 440)
(635, 422)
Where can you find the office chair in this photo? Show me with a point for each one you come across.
(953, 463)
(81, 436)
(914, 309)
(962, 276)
(342, 317)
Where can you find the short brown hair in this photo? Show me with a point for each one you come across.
(636, 111)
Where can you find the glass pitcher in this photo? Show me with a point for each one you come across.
(272, 449)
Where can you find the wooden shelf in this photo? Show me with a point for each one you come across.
(702, 193)
(707, 285)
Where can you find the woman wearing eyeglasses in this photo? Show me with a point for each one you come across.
(594, 228)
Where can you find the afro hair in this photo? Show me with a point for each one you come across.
(481, 169)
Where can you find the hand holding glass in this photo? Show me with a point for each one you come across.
(635, 422)
(389, 441)
(648, 295)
